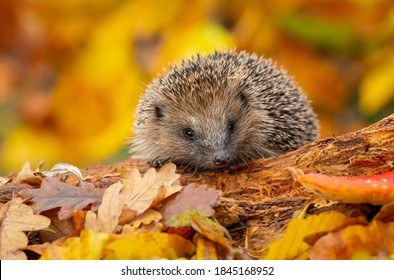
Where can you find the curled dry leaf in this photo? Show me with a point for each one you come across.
(376, 189)
(28, 176)
(62, 168)
(16, 218)
(200, 199)
(54, 193)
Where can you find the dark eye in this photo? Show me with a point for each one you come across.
(230, 126)
(189, 133)
(159, 112)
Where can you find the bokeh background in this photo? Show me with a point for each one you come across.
(71, 72)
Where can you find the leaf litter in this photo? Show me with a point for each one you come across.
(153, 217)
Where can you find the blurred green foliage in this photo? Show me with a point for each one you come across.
(71, 72)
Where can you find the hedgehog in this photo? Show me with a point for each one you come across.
(219, 110)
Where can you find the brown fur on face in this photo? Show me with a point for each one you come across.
(219, 110)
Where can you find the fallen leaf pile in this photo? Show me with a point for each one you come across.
(124, 221)
(153, 217)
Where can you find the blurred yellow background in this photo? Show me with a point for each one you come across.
(71, 72)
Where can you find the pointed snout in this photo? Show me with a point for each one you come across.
(221, 158)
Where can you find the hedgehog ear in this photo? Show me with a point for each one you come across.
(159, 112)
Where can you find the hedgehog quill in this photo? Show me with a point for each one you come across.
(219, 110)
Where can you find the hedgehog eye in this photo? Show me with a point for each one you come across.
(231, 126)
(241, 95)
(159, 112)
(189, 133)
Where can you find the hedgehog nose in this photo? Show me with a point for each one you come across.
(221, 158)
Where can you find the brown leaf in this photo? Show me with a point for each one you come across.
(27, 176)
(200, 199)
(16, 218)
(54, 193)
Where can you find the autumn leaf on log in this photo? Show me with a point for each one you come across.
(375, 189)
(53, 194)
(132, 197)
(200, 199)
(16, 218)
(148, 246)
(88, 246)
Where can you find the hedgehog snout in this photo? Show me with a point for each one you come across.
(221, 158)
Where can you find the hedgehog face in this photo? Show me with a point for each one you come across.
(209, 135)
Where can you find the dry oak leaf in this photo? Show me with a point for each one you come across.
(16, 218)
(200, 199)
(54, 193)
(151, 245)
(135, 194)
(88, 246)
(375, 189)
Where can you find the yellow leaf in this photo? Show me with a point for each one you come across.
(205, 249)
(88, 246)
(16, 218)
(150, 246)
(377, 87)
(291, 245)
(355, 242)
